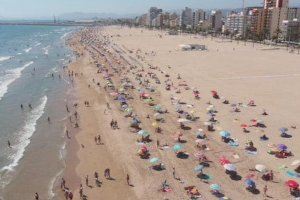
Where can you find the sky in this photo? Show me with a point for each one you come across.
(48, 8)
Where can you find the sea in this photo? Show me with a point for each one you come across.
(31, 74)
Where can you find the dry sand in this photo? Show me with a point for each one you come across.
(238, 72)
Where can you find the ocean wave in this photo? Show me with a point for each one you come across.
(27, 50)
(3, 58)
(10, 76)
(65, 35)
(26, 133)
(46, 50)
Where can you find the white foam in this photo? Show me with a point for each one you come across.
(37, 44)
(10, 76)
(3, 58)
(46, 50)
(27, 50)
(65, 35)
(26, 133)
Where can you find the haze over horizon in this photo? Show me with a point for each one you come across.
(29, 9)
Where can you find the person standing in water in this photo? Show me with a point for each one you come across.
(8, 144)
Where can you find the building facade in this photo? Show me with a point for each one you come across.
(275, 11)
(216, 20)
(234, 23)
(186, 18)
(152, 14)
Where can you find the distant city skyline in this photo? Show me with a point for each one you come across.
(47, 8)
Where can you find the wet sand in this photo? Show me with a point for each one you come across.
(238, 72)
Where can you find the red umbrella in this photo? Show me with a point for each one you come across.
(292, 184)
(214, 92)
(244, 125)
(224, 161)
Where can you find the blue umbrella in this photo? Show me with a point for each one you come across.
(122, 99)
(250, 183)
(283, 130)
(282, 147)
(225, 134)
(199, 168)
(177, 147)
(154, 161)
(215, 187)
(143, 133)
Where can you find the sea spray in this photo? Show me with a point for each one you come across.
(26, 133)
(10, 76)
(4, 58)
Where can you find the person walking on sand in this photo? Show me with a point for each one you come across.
(36, 196)
(174, 173)
(81, 191)
(99, 139)
(63, 183)
(96, 140)
(128, 179)
(107, 173)
(87, 180)
(265, 191)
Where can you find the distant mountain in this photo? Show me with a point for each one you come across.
(94, 16)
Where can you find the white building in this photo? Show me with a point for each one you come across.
(152, 14)
(235, 23)
(198, 17)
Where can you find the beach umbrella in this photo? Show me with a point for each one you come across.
(244, 125)
(225, 134)
(208, 123)
(282, 147)
(155, 125)
(148, 100)
(215, 187)
(198, 168)
(261, 168)
(121, 99)
(230, 167)
(128, 110)
(114, 94)
(177, 147)
(224, 161)
(157, 107)
(183, 120)
(143, 133)
(154, 161)
(158, 116)
(292, 184)
(199, 155)
(250, 183)
(283, 130)
(199, 141)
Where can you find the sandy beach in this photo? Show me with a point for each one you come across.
(127, 74)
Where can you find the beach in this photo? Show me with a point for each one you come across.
(138, 77)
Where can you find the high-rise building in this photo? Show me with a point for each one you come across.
(186, 17)
(275, 11)
(291, 30)
(152, 14)
(198, 17)
(293, 13)
(216, 20)
(235, 23)
(254, 21)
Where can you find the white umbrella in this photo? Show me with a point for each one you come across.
(261, 168)
(182, 120)
(230, 167)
